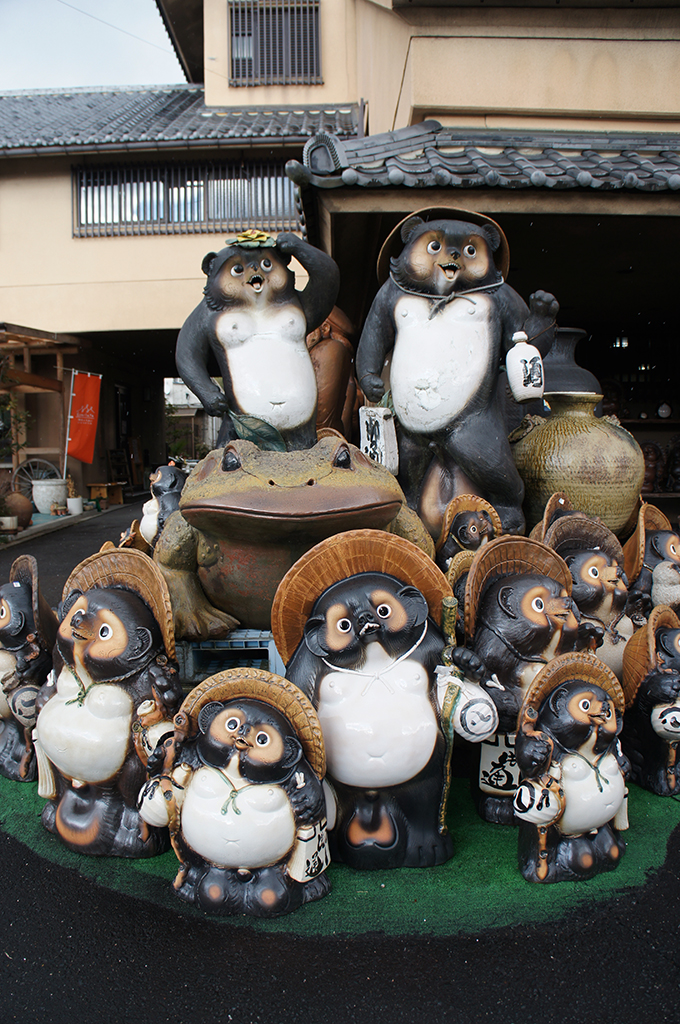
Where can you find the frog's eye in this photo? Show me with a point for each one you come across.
(594, 572)
(537, 604)
(230, 460)
(344, 625)
(266, 264)
(105, 632)
(237, 270)
(469, 251)
(434, 246)
(342, 458)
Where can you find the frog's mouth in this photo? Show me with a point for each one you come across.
(289, 509)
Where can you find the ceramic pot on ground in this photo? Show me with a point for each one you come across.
(45, 492)
(597, 463)
(562, 372)
(20, 506)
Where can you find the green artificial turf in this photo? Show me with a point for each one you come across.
(479, 888)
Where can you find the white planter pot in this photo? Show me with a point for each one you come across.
(9, 524)
(45, 492)
(75, 506)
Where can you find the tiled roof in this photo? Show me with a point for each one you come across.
(427, 155)
(75, 120)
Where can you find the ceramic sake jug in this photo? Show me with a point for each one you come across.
(597, 463)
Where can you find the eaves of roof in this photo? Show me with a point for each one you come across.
(427, 155)
(78, 121)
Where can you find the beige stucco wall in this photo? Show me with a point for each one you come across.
(54, 282)
(338, 61)
(578, 69)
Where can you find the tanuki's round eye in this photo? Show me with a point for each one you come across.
(607, 711)
(470, 251)
(232, 724)
(237, 270)
(3, 611)
(266, 263)
(537, 604)
(473, 529)
(105, 632)
(344, 625)
(262, 739)
(672, 548)
(384, 611)
(434, 246)
(584, 704)
(594, 572)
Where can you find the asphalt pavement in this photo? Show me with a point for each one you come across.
(59, 551)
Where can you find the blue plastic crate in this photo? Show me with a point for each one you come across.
(243, 648)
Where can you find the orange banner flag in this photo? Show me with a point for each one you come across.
(84, 414)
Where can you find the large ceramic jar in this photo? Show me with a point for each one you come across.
(597, 463)
(47, 491)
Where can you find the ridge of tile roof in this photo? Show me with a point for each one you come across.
(35, 122)
(428, 155)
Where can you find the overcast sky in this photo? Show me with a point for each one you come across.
(50, 44)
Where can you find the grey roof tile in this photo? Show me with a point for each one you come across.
(427, 155)
(134, 117)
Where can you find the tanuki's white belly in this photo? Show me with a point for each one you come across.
(379, 725)
(271, 371)
(86, 741)
(249, 827)
(592, 798)
(440, 364)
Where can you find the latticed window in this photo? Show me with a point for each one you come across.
(182, 199)
(274, 43)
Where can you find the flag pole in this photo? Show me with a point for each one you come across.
(68, 424)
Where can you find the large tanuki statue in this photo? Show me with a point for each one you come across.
(255, 323)
(445, 308)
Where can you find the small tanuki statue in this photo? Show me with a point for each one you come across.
(595, 559)
(355, 620)
(28, 628)
(239, 783)
(519, 615)
(469, 523)
(110, 698)
(254, 323)
(571, 801)
(651, 683)
(652, 556)
(446, 310)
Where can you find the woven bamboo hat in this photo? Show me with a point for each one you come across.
(650, 518)
(128, 569)
(581, 665)
(257, 684)
(339, 557)
(557, 502)
(579, 532)
(509, 556)
(460, 564)
(639, 655)
(25, 570)
(393, 244)
(467, 503)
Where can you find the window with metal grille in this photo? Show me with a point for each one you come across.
(182, 199)
(274, 43)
